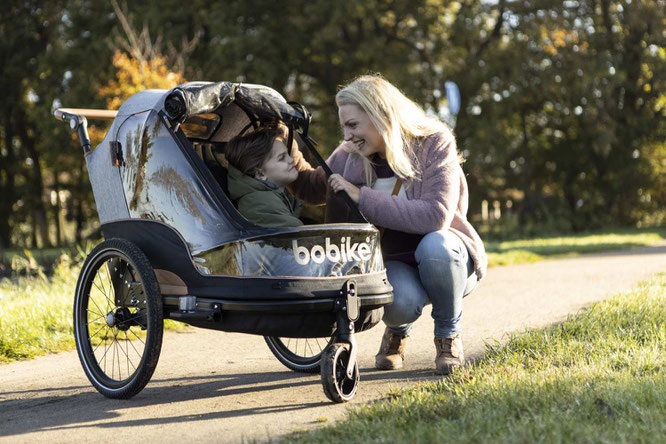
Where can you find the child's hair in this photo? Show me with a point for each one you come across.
(247, 153)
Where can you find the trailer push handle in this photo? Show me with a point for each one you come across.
(79, 123)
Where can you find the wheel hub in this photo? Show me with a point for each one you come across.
(119, 319)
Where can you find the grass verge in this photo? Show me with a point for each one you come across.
(598, 377)
(522, 251)
(37, 309)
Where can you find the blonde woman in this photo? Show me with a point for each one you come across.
(432, 253)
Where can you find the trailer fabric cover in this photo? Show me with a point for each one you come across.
(265, 103)
(106, 183)
(161, 184)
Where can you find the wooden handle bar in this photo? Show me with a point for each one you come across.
(101, 114)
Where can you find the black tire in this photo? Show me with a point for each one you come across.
(117, 300)
(299, 354)
(337, 387)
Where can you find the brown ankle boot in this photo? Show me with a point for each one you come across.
(449, 354)
(391, 352)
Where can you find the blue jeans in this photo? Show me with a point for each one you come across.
(444, 275)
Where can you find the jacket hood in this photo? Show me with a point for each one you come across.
(241, 184)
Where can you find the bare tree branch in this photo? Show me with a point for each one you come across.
(136, 45)
(144, 49)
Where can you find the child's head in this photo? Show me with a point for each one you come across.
(263, 155)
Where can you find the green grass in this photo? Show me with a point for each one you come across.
(44, 257)
(598, 377)
(531, 250)
(36, 310)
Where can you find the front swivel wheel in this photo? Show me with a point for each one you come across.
(337, 386)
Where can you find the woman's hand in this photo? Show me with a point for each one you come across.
(338, 183)
(350, 147)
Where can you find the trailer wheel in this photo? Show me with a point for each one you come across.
(118, 319)
(337, 386)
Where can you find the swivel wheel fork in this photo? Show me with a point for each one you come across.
(347, 310)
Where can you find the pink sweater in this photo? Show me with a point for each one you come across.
(437, 200)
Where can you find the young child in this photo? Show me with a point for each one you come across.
(260, 168)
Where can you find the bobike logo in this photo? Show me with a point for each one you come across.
(345, 252)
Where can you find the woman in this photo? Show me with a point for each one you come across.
(388, 138)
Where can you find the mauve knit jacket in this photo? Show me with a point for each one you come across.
(437, 200)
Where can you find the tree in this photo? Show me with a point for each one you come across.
(562, 102)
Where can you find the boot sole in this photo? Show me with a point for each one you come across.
(388, 366)
(447, 370)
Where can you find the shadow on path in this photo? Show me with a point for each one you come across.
(71, 411)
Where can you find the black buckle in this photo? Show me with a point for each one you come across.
(117, 154)
(353, 301)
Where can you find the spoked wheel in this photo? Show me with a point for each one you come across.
(299, 354)
(118, 319)
(337, 386)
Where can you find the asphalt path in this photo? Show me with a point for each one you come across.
(224, 387)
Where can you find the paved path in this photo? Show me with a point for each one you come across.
(223, 387)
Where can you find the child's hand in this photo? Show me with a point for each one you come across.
(338, 183)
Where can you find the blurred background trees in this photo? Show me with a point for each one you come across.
(563, 103)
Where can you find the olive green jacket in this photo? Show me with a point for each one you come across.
(261, 202)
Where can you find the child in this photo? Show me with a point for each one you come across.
(260, 168)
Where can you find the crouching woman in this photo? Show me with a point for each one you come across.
(402, 169)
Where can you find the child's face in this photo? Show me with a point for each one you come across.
(278, 167)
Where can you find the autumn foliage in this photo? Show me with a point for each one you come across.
(136, 74)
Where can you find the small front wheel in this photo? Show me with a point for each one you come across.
(337, 386)
(118, 319)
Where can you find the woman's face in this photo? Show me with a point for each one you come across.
(278, 167)
(359, 130)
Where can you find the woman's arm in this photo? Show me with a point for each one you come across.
(434, 206)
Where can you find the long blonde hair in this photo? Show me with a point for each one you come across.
(400, 122)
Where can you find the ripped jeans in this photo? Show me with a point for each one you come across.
(444, 275)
